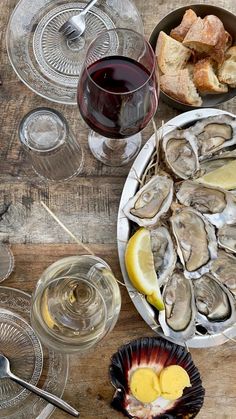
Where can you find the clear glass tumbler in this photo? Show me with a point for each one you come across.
(75, 304)
(54, 151)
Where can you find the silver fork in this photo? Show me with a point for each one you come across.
(74, 27)
(5, 372)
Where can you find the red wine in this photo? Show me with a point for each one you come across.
(117, 96)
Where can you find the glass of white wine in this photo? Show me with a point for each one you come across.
(75, 304)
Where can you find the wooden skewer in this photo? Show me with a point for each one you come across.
(67, 231)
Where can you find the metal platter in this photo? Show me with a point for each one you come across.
(123, 230)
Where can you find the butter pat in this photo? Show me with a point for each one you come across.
(144, 385)
(173, 380)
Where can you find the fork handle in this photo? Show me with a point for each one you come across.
(56, 401)
(88, 7)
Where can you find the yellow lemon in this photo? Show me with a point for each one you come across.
(140, 267)
(144, 385)
(223, 177)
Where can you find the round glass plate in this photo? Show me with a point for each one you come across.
(21, 346)
(6, 261)
(43, 58)
(124, 231)
(43, 367)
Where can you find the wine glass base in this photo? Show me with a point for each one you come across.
(113, 152)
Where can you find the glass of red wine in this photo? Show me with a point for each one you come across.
(118, 94)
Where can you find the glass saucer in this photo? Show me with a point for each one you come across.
(29, 360)
(43, 59)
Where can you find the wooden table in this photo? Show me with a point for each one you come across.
(88, 205)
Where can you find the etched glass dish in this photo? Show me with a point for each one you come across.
(29, 360)
(43, 58)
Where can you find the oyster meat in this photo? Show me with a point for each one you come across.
(217, 204)
(180, 153)
(215, 304)
(214, 133)
(177, 320)
(227, 237)
(164, 254)
(151, 201)
(196, 240)
(224, 269)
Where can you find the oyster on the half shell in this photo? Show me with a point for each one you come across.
(227, 237)
(151, 201)
(224, 269)
(214, 133)
(180, 153)
(178, 318)
(215, 304)
(164, 254)
(196, 240)
(217, 204)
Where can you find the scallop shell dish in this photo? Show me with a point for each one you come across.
(192, 226)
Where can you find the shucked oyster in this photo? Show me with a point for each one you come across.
(214, 133)
(151, 201)
(196, 241)
(215, 304)
(177, 320)
(164, 254)
(224, 269)
(227, 238)
(217, 161)
(217, 205)
(180, 153)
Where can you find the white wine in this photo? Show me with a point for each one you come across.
(76, 302)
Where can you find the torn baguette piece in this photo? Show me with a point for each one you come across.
(227, 72)
(205, 78)
(207, 36)
(180, 86)
(181, 31)
(171, 54)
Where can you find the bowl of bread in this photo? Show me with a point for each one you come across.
(196, 54)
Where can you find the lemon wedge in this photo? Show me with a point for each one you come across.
(140, 267)
(223, 177)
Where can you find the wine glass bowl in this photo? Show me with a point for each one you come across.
(117, 94)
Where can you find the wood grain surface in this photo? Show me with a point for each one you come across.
(87, 204)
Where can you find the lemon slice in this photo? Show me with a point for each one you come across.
(140, 267)
(224, 176)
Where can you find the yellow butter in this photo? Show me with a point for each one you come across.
(144, 385)
(173, 380)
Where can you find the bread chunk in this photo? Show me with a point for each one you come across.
(207, 36)
(180, 87)
(205, 79)
(227, 72)
(181, 31)
(171, 54)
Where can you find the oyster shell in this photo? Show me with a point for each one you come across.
(217, 161)
(215, 304)
(178, 318)
(196, 240)
(224, 269)
(227, 237)
(181, 154)
(214, 133)
(151, 201)
(217, 204)
(164, 254)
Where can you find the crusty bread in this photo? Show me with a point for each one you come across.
(180, 87)
(207, 36)
(181, 31)
(227, 72)
(171, 54)
(205, 79)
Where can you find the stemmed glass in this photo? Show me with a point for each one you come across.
(117, 94)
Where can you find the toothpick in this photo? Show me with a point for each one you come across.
(66, 230)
